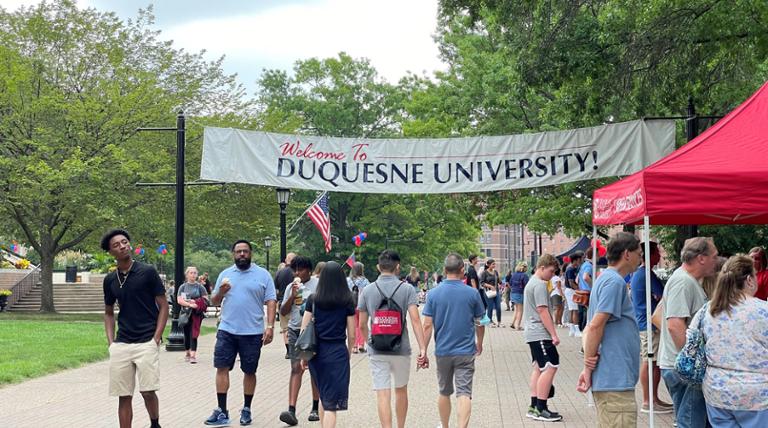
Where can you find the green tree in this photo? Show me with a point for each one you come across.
(345, 97)
(76, 83)
(540, 65)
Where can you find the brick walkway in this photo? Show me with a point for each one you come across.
(78, 398)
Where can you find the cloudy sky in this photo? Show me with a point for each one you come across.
(396, 35)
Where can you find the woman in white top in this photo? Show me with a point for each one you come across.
(735, 326)
(556, 297)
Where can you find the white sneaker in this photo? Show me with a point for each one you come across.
(578, 333)
(570, 333)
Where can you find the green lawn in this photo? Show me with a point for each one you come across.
(33, 345)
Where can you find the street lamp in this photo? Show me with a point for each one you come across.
(267, 245)
(283, 195)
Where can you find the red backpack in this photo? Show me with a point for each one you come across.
(387, 323)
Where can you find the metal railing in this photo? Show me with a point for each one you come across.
(24, 286)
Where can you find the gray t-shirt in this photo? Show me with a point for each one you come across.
(683, 297)
(370, 299)
(535, 295)
(294, 323)
(192, 291)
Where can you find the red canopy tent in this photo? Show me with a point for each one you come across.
(721, 177)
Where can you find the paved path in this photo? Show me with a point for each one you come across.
(78, 397)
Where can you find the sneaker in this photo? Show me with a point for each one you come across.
(186, 358)
(547, 415)
(577, 333)
(193, 360)
(218, 418)
(313, 416)
(289, 418)
(657, 409)
(532, 412)
(245, 416)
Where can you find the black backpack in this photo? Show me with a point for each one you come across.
(387, 323)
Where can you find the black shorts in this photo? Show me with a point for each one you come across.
(229, 345)
(544, 354)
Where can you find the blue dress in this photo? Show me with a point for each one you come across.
(330, 366)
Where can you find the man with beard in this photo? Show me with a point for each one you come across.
(242, 290)
(139, 291)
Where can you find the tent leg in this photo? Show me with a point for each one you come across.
(648, 314)
(594, 252)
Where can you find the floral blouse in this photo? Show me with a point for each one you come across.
(737, 356)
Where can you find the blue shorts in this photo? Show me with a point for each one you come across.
(516, 298)
(229, 345)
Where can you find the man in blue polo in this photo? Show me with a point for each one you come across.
(612, 339)
(242, 290)
(454, 311)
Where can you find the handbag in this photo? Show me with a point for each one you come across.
(306, 344)
(184, 316)
(491, 294)
(581, 297)
(691, 362)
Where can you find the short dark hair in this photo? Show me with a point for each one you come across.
(111, 234)
(472, 257)
(388, 260)
(301, 262)
(652, 244)
(578, 255)
(242, 241)
(620, 242)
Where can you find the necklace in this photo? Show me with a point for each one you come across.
(127, 272)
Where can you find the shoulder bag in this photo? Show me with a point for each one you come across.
(691, 362)
(306, 344)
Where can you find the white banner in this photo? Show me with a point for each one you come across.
(439, 165)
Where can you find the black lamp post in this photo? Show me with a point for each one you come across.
(283, 195)
(267, 245)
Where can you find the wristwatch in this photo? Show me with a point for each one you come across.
(271, 326)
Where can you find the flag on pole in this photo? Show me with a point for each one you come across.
(351, 260)
(318, 213)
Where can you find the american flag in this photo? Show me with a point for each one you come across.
(318, 213)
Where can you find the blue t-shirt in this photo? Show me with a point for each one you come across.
(619, 365)
(570, 274)
(453, 307)
(637, 288)
(586, 267)
(242, 310)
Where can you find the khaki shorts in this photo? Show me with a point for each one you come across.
(644, 345)
(126, 360)
(386, 368)
(284, 323)
(616, 409)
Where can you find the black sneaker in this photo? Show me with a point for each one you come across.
(313, 416)
(547, 415)
(289, 418)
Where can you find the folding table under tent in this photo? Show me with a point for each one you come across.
(720, 177)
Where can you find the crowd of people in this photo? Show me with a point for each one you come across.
(721, 298)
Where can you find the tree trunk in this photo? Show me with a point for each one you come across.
(682, 233)
(46, 280)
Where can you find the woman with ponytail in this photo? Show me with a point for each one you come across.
(735, 327)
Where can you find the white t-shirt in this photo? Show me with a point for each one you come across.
(555, 292)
